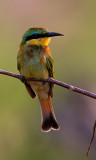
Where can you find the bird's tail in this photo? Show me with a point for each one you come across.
(48, 117)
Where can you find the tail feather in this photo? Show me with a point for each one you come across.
(49, 122)
(48, 117)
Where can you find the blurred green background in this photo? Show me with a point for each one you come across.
(74, 56)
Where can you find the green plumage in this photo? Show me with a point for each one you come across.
(49, 66)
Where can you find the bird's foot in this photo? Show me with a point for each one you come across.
(22, 78)
(43, 81)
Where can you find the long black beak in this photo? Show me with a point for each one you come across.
(46, 34)
(53, 34)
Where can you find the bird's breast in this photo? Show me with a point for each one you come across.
(33, 63)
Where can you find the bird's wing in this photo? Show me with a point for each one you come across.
(28, 87)
(49, 66)
(30, 90)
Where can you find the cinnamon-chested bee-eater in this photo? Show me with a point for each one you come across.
(34, 60)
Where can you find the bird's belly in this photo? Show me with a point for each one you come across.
(40, 89)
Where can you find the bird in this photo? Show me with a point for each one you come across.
(34, 60)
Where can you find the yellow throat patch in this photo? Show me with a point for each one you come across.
(40, 41)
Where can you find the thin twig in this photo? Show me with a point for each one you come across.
(51, 80)
(10, 74)
(93, 135)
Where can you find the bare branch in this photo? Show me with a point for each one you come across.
(10, 74)
(93, 135)
(50, 80)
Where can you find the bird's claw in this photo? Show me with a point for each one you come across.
(43, 81)
(22, 78)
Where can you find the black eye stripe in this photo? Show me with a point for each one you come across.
(35, 36)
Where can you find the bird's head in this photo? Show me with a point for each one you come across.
(38, 36)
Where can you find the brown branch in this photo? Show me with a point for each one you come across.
(93, 135)
(50, 80)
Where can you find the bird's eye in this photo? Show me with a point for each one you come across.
(35, 35)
